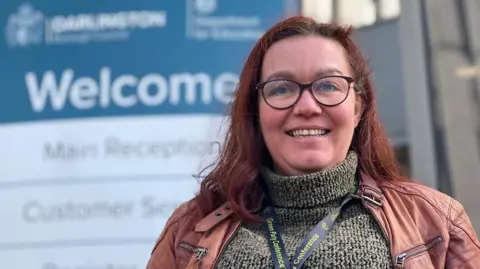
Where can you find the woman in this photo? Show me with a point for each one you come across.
(307, 177)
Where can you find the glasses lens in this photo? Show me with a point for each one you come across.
(280, 93)
(330, 90)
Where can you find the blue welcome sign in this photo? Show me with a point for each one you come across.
(97, 58)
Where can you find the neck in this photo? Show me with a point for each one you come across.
(312, 189)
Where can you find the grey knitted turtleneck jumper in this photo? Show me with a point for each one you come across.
(356, 240)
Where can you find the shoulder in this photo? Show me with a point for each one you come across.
(413, 194)
(430, 208)
(182, 214)
(416, 191)
(177, 228)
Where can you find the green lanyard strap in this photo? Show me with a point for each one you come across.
(309, 244)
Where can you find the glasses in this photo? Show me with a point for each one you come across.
(284, 93)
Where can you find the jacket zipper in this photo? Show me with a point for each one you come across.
(402, 257)
(198, 251)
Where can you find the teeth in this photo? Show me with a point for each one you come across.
(310, 132)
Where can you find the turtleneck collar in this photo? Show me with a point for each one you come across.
(314, 189)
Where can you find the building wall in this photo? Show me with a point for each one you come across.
(453, 30)
(380, 44)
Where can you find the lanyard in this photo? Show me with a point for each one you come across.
(309, 244)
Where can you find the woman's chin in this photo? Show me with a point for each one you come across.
(306, 166)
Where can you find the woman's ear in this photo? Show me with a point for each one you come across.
(359, 107)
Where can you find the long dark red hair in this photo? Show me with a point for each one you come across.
(235, 177)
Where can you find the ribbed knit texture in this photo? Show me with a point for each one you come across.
(356, 240)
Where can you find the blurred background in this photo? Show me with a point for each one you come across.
(110, 109)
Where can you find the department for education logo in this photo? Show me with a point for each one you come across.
(25, 28)
(210, 20)
(205, 6)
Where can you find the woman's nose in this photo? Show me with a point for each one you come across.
(307, 105)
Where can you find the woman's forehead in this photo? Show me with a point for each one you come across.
(304, 58)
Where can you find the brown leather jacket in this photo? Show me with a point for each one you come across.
(425, 228)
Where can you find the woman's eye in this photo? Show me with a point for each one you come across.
(327, 87)
(279, 90)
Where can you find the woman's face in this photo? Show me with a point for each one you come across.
(308, 136)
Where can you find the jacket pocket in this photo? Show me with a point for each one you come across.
(405, 256)
(198, 251)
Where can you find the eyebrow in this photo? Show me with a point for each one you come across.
(284, 74)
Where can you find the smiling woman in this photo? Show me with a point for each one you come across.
(321, 120)
(307, 177)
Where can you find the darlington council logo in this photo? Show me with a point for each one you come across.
(29, 27)
(25, 28)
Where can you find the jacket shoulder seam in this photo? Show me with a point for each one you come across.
(180, 216)
(450, 211)
(420, 196)
(450, 221)
(175, 219)
(163, 235)
(464, 262)
(461, 228)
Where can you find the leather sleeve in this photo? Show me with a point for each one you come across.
(464, 247)
(163, 253)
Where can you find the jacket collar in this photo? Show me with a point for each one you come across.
(368, 191)
(214, 218)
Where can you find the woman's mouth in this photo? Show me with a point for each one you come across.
(308, 132)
